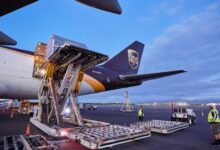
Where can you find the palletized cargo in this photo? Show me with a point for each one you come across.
(57, 41)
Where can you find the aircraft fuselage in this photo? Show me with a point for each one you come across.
(16, 81)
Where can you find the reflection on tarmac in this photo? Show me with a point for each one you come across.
(195, 137)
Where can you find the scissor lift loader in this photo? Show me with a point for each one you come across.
(64, 69)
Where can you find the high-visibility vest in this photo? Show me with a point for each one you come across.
(140, 112)
(210, 117)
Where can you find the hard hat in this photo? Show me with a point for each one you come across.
(213, 105)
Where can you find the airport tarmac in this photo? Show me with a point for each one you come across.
(196, 137)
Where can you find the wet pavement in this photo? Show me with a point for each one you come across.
(196, 137)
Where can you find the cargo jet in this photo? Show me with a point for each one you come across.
(16, 65)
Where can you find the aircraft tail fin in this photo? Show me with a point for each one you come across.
(128, 60)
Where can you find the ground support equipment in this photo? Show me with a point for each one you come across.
(64, 70)
(127, 106)
(107, 136)
(161, 126)
(34, 142)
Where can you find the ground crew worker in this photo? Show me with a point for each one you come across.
(214, 121)
(140, 113)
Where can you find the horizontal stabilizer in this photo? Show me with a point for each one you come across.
(151, 76)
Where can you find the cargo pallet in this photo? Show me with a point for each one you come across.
(107, 136)
(96, 137)
(161, 126)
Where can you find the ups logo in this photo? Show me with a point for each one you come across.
(133, 58)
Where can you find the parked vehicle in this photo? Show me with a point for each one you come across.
(183, 114)
(92, 107)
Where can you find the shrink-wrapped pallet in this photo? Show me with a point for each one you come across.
(56, 41)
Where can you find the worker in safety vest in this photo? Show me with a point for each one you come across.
(214, 121)
(140, 113)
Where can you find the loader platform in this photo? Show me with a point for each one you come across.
(161, 126)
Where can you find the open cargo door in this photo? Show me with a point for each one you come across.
(39, 59)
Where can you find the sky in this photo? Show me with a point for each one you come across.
(178, 34)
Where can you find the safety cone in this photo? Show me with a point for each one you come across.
(12, 113)
(28, 130)
(202, 114)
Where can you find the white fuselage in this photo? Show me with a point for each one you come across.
(16, 81)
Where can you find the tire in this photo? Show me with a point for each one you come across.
(190, 121)
(173, 119)
(194, 121)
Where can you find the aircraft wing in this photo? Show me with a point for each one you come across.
(151, 76)
(106, 5)
(6, 40)
(7, 6)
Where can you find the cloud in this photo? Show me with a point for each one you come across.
(144, 19)
(213, 6)
(193, 45)
(169, 7)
